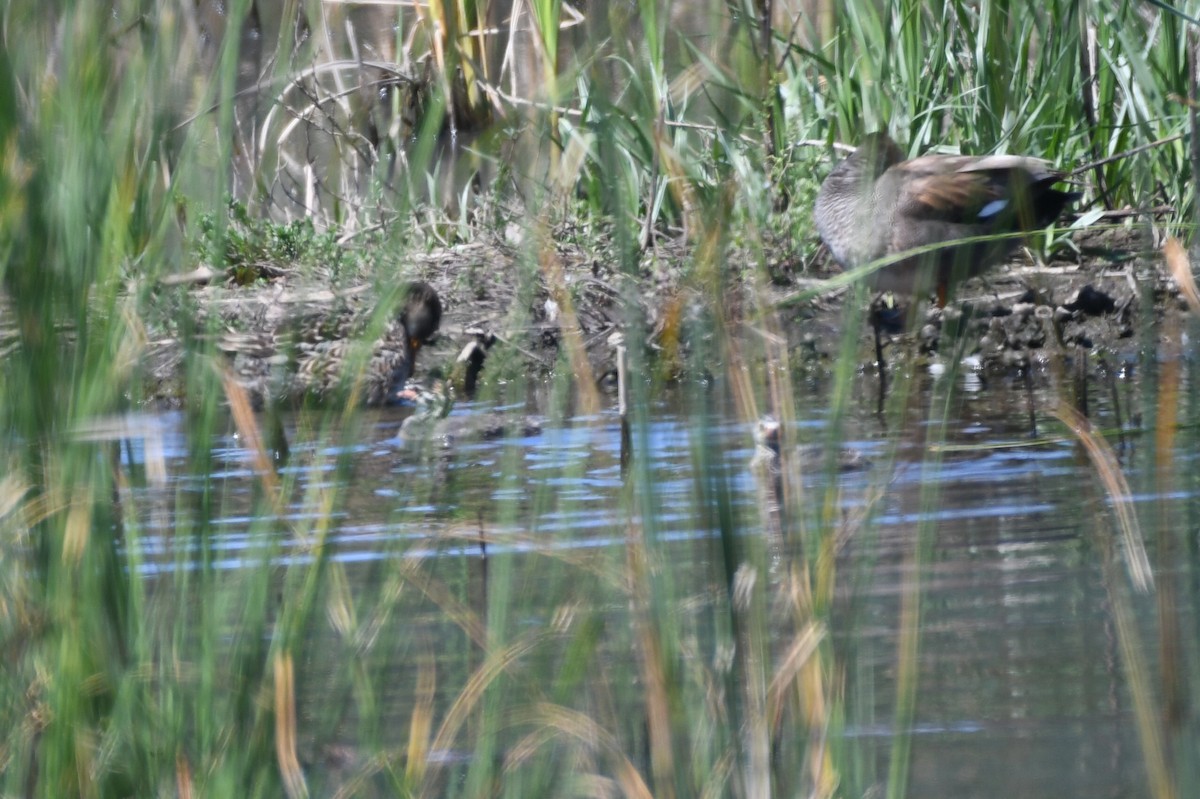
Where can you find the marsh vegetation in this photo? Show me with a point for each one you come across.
(981, 558)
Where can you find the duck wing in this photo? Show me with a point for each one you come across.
(974, 191)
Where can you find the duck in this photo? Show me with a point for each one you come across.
(307, 358)
(876, 204)
(432, 420)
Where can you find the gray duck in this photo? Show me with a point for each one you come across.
(876, 204)
(306, 358)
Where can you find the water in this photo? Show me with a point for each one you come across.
(1022, 689)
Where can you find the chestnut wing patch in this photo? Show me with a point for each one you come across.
(958, 197)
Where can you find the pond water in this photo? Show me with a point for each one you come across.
(1022, 687)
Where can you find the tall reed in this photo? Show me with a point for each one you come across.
(646, 668)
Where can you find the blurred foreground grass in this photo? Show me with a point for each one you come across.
(125, 128)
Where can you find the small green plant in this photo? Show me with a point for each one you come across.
(252, 248)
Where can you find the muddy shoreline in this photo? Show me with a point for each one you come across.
(1021, 316)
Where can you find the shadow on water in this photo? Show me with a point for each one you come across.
(1020, 689)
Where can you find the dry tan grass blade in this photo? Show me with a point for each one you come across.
(285, 727)
(1109, 471)
(1180, 268)
(572, 334)
(420, 726)
(247, 427)
(498, 661)
(556, 720)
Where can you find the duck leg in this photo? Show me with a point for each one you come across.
(877, 327)
(885, 316)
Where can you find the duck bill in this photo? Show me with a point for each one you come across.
(404, 397)
(400, 393)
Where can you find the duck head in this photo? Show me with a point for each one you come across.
(420, 317)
